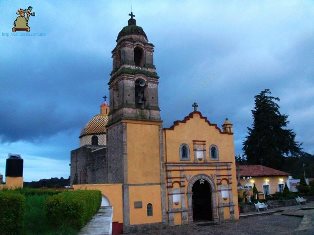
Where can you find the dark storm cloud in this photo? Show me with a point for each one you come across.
(41, 99)
(219, 54)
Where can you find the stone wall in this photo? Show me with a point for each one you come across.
(116, 148)
(89, 165)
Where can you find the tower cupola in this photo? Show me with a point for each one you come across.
(227, 126)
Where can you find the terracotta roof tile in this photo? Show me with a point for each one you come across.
(97, 125)
(259, 170)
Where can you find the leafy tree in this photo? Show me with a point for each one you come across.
(241, 159)
(312, 187)
(269, 141)
(303, 187)
(286, 190)
(49, 183)
(297, 166)
(302, 181)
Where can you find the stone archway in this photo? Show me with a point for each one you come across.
(104, 201)
(204, 191)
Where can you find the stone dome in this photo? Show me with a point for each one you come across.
(97, 125)
(131, 29)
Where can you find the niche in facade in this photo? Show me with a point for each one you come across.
(140, 87)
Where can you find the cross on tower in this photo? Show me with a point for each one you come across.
(105, 98)
(132, 15)
(195, 105)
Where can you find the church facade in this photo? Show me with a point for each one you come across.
(151, 175)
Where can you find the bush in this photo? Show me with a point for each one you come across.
(38, 192)
(311, 187)
(12, 207)
(255, 193)
(286, 191)
(72, 208)
(303, 188)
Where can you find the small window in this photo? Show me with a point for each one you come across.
(214, 152)
(94, 140)
(184, 152)
(280, 187)
(149, 209)
(266, 189)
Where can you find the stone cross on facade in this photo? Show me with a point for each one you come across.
(195, 105)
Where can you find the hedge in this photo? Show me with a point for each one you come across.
(34, 191)
(12, 208)
(72, 208)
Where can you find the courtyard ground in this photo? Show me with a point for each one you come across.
(295, 220)
(286, 220)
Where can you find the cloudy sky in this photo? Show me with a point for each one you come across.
(217, 53)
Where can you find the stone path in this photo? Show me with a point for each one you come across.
(100, 224)
(284, 221)
(294, 220)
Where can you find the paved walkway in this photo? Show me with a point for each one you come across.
(294, 220)
(100, 224)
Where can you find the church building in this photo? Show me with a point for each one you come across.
(148, 174)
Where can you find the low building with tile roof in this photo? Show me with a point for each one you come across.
(267, 180)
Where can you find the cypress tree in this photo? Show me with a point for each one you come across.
(269, 141)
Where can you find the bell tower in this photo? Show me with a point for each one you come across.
(134, 129)
(134, 82)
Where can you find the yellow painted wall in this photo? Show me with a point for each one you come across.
(273, 182)
(218, 195)
(143, 152)
(196, 128)
(14, 182)
(113, 192)
(146, 194)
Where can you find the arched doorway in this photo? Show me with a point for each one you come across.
(202, 201)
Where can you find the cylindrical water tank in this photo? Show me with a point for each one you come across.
(14, 166)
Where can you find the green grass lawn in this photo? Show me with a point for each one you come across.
(36, 221)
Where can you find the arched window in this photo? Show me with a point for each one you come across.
(213, 152)
(138, 56)
(184, 152)
(149, 209)
(94, 140)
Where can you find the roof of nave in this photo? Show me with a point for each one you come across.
(258, 170)
(190, 116)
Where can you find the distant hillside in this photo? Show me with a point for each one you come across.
(48, 183)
